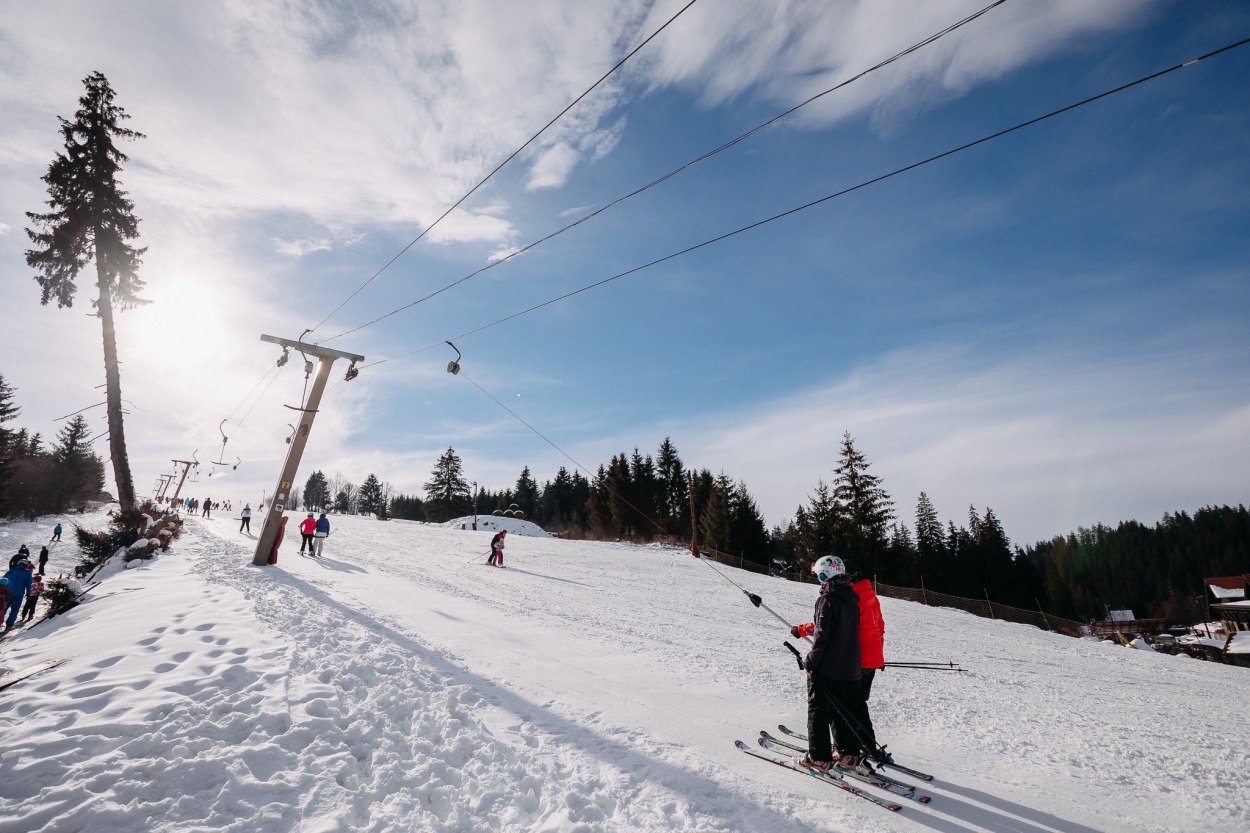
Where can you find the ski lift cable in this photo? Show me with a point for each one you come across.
(676, 171)
(829, 197)
(276, 373)
(754, 598)
(500, 166)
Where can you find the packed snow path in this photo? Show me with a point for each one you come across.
(399, 684)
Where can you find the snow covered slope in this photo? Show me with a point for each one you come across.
(397, 684)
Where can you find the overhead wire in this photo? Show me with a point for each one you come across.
(676, 171)
(501, 165)
(827, 198)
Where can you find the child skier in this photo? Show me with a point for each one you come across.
(32, 598)
(496, 549)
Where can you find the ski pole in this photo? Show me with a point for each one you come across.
(916, 666)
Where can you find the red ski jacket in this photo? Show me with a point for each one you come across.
(308, 526)
(871, 627)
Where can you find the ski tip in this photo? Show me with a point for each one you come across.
(741, 745)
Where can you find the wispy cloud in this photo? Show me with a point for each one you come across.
(1048, 449)
(299, 248)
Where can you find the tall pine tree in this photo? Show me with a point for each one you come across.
(447, 491)
(868, 508)
(91, 219)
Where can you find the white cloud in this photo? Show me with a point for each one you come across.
(1049, 449)
(5, 228)
(785, 52)
(299, 248)
(553, 167)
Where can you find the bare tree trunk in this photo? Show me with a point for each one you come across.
(113, 391)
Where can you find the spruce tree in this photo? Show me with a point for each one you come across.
(316, 491)
(81, 472)
(749, 535)
(447, 491)
(672, 490)
(526, 497)
(868, 508)
(715, 524)
(91, 220)
(370, 496)
(8, 443)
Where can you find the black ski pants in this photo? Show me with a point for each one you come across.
(829, 702)
(862, 721)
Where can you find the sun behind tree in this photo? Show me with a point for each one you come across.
(92, 221)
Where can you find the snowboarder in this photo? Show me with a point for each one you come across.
(32, 598)
(56, 533)
(246, 517)
(19, 586)
(496, 549)
(43, 559)
(306, 528)
(833, 670)
(321, 531)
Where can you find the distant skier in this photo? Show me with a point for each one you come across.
(307, 527)
(496, 549)
(56, 533)
(246, 517)
(833, 671)
(43, 559)
(321, 532)
(208, 508)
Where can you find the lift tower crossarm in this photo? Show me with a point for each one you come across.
(308, 410)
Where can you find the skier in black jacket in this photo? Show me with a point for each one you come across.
(833, 671)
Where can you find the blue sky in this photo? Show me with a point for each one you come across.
(1053, 324)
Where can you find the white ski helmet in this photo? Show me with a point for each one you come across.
(828, 567)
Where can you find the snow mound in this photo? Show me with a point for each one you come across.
(494, 523)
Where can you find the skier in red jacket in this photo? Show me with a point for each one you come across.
(871, 656)
(307, 528)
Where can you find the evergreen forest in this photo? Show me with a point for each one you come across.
(1156, 571)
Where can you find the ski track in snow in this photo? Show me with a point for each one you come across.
(397, 684)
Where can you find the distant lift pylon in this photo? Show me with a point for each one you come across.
(266, 552)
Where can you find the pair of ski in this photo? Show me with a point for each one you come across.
(785, 757)
(915, 773)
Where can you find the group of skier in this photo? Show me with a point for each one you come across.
(848, 638)
(21, 586)
(314, 534)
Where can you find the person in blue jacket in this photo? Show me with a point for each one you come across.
(19, 585)
(321, 534)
